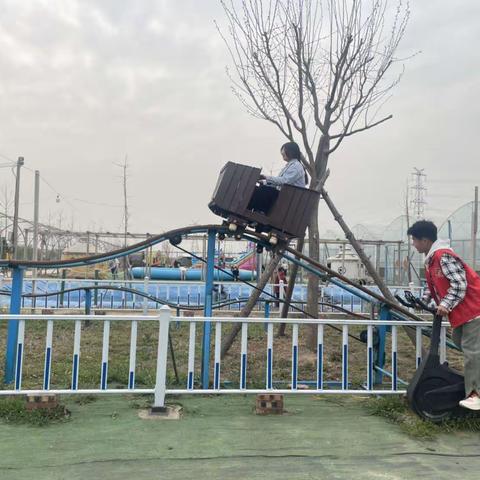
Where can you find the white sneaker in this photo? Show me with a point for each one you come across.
(472, 403)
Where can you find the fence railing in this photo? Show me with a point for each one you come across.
(163, 320)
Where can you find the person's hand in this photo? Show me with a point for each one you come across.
(442, 311)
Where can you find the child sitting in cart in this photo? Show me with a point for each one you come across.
(293, 173)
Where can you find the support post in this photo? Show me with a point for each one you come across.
(267, 313)
(62, 286)
(88, 302)
(15, 307)
(258, 264)
(146, 280)
(207, 311)
(95, 293)
(20, 163)
(36, 208)
(385, 314)
(162, 352)
(25, 244)
(377, 259)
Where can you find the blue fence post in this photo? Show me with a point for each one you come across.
(12, 334)
(207, 310)
(385, 314)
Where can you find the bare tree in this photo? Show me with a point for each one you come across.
(319, 71)
(248, 307)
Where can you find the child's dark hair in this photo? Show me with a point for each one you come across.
(292, 150)
(423, 229)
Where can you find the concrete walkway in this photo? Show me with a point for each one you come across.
(220, 438)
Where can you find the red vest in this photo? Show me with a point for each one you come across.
(438, 284)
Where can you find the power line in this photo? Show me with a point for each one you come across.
(64, 197)
(7, 158)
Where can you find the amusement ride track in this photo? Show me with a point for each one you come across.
(176, 234)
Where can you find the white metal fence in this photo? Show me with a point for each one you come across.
(164, 320)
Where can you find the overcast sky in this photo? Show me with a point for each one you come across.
(85, 83)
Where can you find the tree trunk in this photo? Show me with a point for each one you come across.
(319, 176)
(313, 280)
(291, 285)
(247, 309)
(365, 260)
(358, 248)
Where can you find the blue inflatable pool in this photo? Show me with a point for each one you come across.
(191, 274)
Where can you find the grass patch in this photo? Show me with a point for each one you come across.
(396, 410)
(141, 402)
(13, 410)
(84, 399)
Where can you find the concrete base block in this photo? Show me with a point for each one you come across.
(172, 412)
(41, 402)
(269, 404)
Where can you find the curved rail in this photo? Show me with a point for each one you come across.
(121, 252)
(322, 270)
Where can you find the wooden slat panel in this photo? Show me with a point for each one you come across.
(235, 187)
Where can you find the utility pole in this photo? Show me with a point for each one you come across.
(475, 230)
(419, 189)
(125, 202)
(36, 209)
(409, 251)
(20, 163)
(124, 166)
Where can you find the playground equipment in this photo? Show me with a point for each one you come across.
(247, 261)
(244, 203)
(246, 265)
(388, 310)
(435, 390)
(192, 274)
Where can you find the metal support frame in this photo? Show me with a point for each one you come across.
(62, 286)
(208, 310)
(335, 281)
(12, 334)
(95, 292)
(212, 230)
(266, 313)
(379, 355)
(88, 301)
(161, 377)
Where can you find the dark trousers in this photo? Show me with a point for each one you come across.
(263, 199)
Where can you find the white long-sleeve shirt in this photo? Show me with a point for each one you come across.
(292, 173)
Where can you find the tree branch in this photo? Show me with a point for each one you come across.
(366, 127)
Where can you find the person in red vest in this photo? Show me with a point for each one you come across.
(455, 288)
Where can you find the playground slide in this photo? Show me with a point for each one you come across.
(246, 262)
